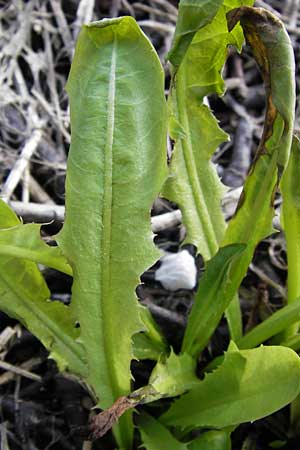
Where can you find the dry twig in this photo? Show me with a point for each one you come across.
(21, 164)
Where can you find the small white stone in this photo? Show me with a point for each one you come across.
(177, 271)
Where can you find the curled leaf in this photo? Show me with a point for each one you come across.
(104, 421)
(192, 15)
(273, 52)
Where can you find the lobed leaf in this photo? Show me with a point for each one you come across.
(253, 219)
(24, 295)
(116, 166)
(172, 376)
(192, 15)
(24, 241)
(234, 393)
(193, 182)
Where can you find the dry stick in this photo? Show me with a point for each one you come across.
(234, 83)
(155, 11)
(277, 261)
(263, 4)
(128, 6)
(21, 164)
(45, 105)
(293, 30)
(18, 371)
(166, 220)
(52, 83)
(84, 15)
(47, 213)
(241, 154)
(87, 445)
(292, 12)
(165, 314)
(114, 8)
(38, 213)
(5, 336)
(230, 201)
(38, 194)
(63, 26)
(290, 8)
(16, 39)
(21, 83)
(264, 277)
(238, 71)
(3, 439)
(238, 108)
(62, 166)
(25, 184)
(168, 6)
(158, 26)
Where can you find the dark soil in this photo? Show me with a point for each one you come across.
(40, 408)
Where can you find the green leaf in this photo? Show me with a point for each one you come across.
(145, 348)
(213, 297)
(156, 437)
(292, 342)
(290, 188)
(212, 440)
(275, 324)
(273, 52)
(150, 344)
(172, 376)
(116, 167)
(248, 385)
(24, 295)
(193, 182)
(8, 217)
(233, 315)
(277, 444)
(291, 225)
(192, 15)
(24, 241)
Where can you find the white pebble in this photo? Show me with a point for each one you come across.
(177, 271)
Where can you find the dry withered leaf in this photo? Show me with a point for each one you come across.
(103, 422)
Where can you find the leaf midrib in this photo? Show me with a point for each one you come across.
(107, 219)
